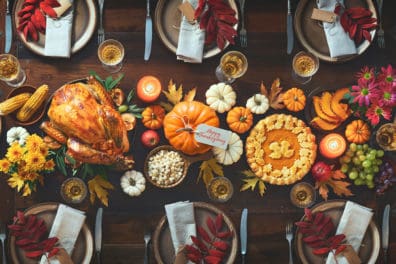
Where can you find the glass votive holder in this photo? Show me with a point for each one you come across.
(74, 190)
(220, 189)
(11, 71)
(303, 195)
(111, 54)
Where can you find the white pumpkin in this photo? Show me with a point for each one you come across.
(133, 183)
(233, 152)
(17, 134)
(220, 97)
(258, 104)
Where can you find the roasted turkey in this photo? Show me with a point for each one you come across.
(94, 131)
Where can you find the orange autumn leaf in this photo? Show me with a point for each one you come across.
(339, 186)
(263, 89)
(323, 190)
(275, 95)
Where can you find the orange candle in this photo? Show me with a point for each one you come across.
(149, 88)
(332, 146)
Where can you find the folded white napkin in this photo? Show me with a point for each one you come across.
(191, 40)
(353, 224)
(66, 227)
(58, 32)
(181, 222)
(338, 40)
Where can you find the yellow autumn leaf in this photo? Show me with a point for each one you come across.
(167, 106)
(98, 187)
(262, 188)
(250, 183)
(208, 169)
(190, 95)
(174, 95)
(248, 173)
(216, 167)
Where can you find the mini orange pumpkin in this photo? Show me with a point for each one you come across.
(357, 132)
(153, 116)
(181, 123)
(240, 119)
(294, 99)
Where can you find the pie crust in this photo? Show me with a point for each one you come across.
(281, 149)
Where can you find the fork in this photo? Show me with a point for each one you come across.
(242, 32)
(289, 237)
(380, 36)
(2, 239)
(147, 238)
(101, 33)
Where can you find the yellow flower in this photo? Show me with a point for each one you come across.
(49, 165)
(4, 165)
(15, 181)
(43, 150)
(29, 176)
(27, 191)
(14, 152)
(35, 161)
(34, 142)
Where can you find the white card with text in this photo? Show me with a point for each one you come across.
(212, 136)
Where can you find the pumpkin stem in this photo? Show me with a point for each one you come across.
(257, 100)
(187, 127)
(242, 118)
(132, 182)
(153, 116)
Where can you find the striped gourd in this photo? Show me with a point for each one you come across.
(13, 103)
(33, 103)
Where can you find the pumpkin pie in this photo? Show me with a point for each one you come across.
(281, 149)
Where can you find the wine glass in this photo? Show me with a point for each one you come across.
(233, 65)
(11, 71)
(305, 65)
(111, 54)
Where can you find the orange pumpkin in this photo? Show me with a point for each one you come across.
(181, 123)
(240, 119)
(357, 132)
(294, 99)
(153, 116)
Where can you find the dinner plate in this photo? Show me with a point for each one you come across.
(162, 242)
(369, 250)
(167, 22)
(83, 26)
(83, 248)
(311, 34)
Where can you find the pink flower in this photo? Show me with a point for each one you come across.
(387, 75)
(375, 112)
(366, 73)
(364, 92)
(386, 95)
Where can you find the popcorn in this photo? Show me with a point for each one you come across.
(166, 167)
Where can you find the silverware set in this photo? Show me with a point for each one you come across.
(101, 33)
(380, 33)
(289, 238)
(2, 239)
(242, 32)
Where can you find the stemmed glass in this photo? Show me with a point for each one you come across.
(233, 65)
(111, 54)
(305, 65)
(11, 71)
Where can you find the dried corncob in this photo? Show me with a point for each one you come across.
(13, 103)
(33, 103)
(54, 133)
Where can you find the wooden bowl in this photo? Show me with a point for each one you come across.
(36, 116)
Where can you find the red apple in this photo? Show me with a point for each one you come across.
(321, 171)
(150, 138)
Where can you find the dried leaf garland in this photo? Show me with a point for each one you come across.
(318, 233)
(30, 235)
(210, 245)
(251, 181)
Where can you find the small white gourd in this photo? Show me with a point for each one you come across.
(17, 134)
(258, 104)
(220, 97)
(233, 152)
(133, 183)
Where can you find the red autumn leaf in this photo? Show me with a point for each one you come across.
(211, 225)
(219, 222)
(201, 245)
(321, 251)
(202, 232)
(220, 245)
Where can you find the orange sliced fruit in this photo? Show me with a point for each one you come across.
(129, 121)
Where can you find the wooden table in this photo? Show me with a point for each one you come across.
(126, 218)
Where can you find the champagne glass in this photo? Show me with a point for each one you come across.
(220, 189)
(303, 195)
(305, 65)
(11, 71)
(233, 65)
(111, 54)
(74, 190)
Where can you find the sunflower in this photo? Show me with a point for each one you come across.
(15, 181)
(43, 150)
(35, 161)
(34, 142)
(15, 152)
(5, 165)
(49, 165)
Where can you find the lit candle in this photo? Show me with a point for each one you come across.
(332, 146)
(149, 88)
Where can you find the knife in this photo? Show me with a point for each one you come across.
(98, 234)
(243, 233)
(149, 33)
(8, 29)
(290, 34)
(385, 231)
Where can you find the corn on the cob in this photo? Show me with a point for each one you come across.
(33, 103)
(14, 103)
(54, 133)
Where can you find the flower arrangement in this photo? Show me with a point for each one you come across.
(26, 159)
(374, 95)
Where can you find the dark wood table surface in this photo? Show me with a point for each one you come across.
(125, 219)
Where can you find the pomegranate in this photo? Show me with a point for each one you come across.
(321, 171)
(150, 138)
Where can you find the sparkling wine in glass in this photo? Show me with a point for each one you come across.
(305, 65)
(11, 71)
(111, 54)
(233, 65)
